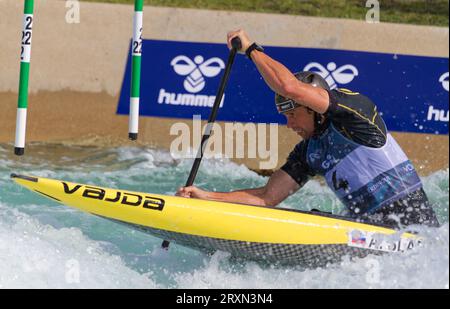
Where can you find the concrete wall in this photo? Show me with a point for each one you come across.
(77, 69)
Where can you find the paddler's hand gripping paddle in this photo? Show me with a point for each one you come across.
(236, 45)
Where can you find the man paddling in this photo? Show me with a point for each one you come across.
(345, 140)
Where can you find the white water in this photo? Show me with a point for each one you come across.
(44, 244)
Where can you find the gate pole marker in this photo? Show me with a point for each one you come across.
(136, 53)
(25, 56)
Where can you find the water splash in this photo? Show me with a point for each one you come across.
(41, 242)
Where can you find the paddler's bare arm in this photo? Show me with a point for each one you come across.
(278, 188)
(281, 80)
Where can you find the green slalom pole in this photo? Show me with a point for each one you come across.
(136, 53)
(25, 57)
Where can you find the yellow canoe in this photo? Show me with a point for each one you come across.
(277, 235)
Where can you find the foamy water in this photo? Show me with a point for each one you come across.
(45, 244)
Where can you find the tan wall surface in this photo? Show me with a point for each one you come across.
(77, 69)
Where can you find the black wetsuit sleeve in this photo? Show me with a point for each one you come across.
(357, 118)
(296, 165)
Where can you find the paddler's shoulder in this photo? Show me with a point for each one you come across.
(344, 95)
(346, 100)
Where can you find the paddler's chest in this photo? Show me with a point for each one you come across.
(327, 150)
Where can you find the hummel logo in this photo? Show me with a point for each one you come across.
(196, 70)
(332, 74)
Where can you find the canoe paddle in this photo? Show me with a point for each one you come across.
(236, 45)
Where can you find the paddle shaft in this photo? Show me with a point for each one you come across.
(236, 43)
(211, 120)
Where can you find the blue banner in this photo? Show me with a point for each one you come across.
(180, 79)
